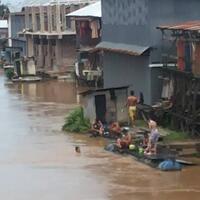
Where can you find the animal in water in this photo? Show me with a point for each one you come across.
(77, 149)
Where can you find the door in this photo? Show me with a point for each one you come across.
(100, 104)
(18, 68)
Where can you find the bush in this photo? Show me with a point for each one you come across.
(176, 136)
(75, 122)
(9, 73)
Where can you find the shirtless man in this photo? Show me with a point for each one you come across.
(131, 103)
(115, 129)
(125, 141)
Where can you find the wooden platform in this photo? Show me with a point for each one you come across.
(185, 148)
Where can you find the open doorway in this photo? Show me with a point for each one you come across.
(100, 104)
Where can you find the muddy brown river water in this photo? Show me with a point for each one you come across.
(38, 162)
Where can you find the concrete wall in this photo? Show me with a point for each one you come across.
(121, 70)
(125, 18)
(58, 54)
(21, 44)
(156, 83)
(69, 51)
(137, 20)
(17, 24)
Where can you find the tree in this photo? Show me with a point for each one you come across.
(4, 11)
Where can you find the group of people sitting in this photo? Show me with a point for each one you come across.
(124, 138)
(98, 129)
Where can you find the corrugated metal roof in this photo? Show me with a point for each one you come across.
(16, 6)
(3, 24)
(39, 33)
(122, 48)
(185, 26)
(93, 10)
(53, 2)
(87, 92)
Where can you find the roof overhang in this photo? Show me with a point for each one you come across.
(93, 10)
(133, 50)
(86, 49)
(18, 6)
(185, 26)
(92, 91)
(48, 34)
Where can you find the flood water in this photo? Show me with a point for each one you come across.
(38, 162)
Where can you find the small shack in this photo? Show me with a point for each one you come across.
(106, 104)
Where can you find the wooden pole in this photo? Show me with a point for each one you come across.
(41, 18)
(26, 17)
(49, 14)
(63, 18)
(34, 24)
(58, 22)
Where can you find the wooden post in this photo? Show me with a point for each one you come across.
(41, 54)
(54, 18)
(26, 17)
(41, 18)
(196, 90)
(73, 23)
(49, 14)
(63, 18)
(49, 53)
(58, 22)
(34, 25)
(58, 52)
(30, 46)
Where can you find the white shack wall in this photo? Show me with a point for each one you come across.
(115, 110)
(122, 114)
(89, 108)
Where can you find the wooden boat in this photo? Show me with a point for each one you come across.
(150, 160)
(27, 79)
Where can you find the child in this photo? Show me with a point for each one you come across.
(153, 138)
(97, 128)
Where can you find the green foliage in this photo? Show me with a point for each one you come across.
(4, 11)
(141, 123)
(176, 136)
(196, 155)
(9, 73)
(75, 122)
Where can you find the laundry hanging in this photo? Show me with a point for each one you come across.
(95, 26)
(196, 64)
(181, 54)
(188, 57)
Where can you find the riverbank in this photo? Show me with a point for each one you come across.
(38, 160)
